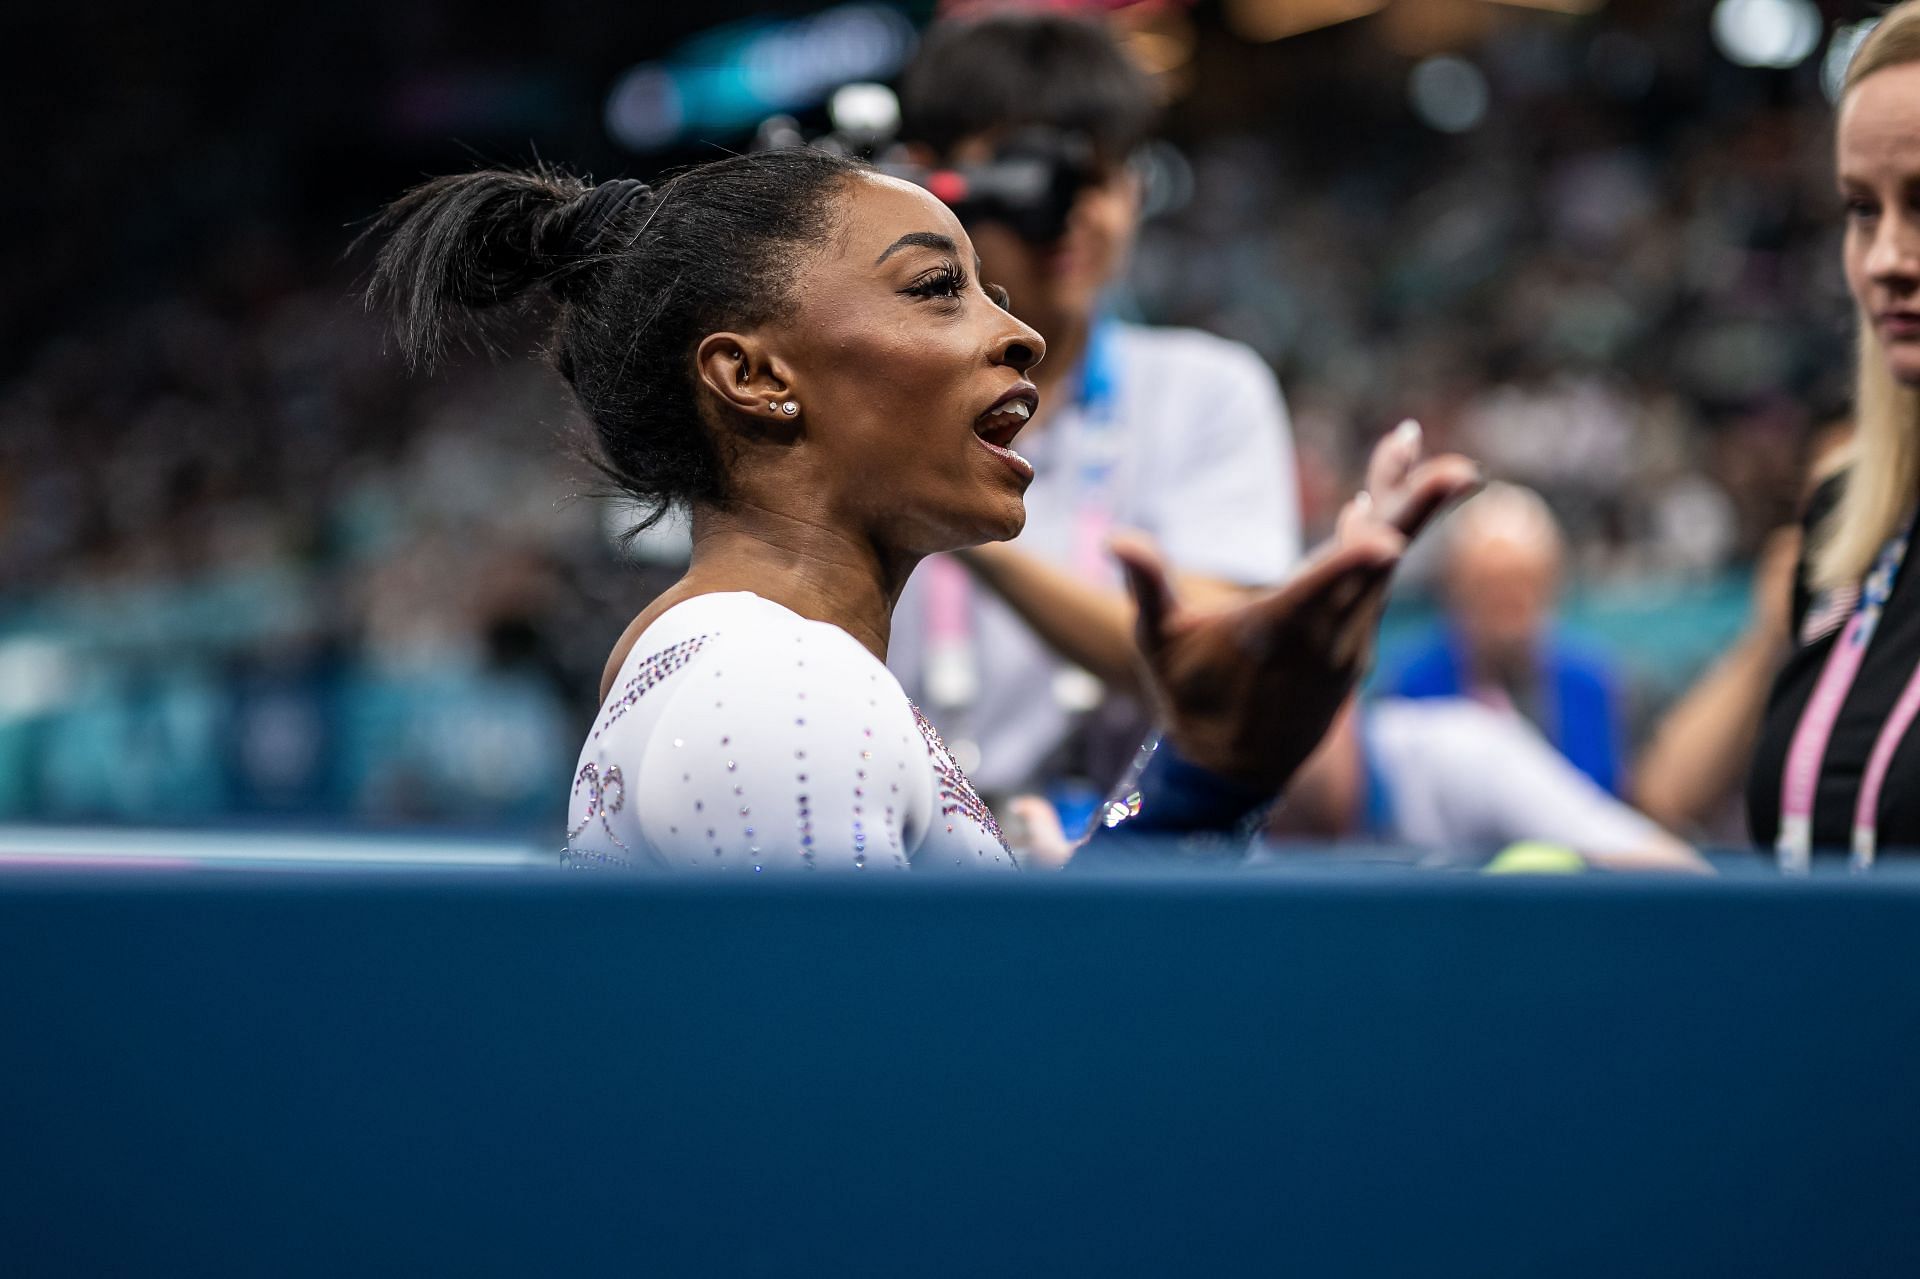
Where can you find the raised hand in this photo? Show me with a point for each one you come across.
(1247, 691)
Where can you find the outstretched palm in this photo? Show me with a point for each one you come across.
(1248, 691)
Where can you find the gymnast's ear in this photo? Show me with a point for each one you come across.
(745, 376)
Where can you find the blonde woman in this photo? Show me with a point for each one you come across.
(1837, 768)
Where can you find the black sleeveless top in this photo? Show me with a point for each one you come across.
(1890, 661)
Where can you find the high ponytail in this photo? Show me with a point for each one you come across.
(640, 277)
(466, 243)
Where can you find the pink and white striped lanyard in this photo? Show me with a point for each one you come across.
(1808, 750)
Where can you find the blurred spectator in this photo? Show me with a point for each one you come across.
(1504, 555)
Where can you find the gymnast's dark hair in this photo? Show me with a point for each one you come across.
(640, 276)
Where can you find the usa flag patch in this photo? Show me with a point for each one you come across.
(1828, 613)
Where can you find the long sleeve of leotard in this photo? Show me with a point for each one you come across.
(771, 749)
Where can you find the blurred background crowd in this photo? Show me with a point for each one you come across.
(250, 569)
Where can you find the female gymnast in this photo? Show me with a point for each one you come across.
(799, 351)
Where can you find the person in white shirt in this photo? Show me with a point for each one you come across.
(1172, 432)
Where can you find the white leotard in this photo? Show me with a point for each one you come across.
(741, 736)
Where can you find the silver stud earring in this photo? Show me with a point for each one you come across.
(789, 408)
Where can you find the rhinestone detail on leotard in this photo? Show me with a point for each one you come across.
(957, 796)
(651, 672)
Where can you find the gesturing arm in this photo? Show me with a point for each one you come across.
(1247, 692)
(1086, 623)
(1488, 778)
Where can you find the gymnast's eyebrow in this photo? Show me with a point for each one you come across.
(919, 240)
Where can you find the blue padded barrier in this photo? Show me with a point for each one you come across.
(1315, 1074)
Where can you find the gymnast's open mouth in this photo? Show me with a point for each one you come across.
(1006, 418)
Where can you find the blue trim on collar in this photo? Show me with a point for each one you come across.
(1098, 384)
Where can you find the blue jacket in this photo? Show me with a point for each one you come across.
(1580, 702)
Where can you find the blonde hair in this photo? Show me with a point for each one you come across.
(1883, 463)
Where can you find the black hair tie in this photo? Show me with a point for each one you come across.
(588, 216)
